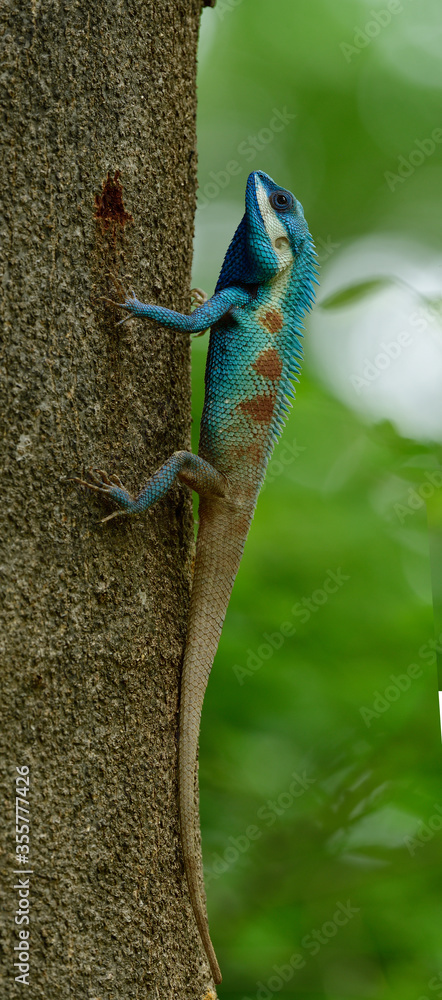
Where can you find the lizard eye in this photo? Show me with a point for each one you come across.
(282, 201)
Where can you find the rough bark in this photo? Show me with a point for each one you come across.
(98, 179)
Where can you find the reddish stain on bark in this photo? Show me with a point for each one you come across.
(272, 320)
(269, 364)
(109, 207)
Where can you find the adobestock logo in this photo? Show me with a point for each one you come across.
(373, 369)
(416, 498)
(303, 610)
(433, 984)
(247, 150)
(311, 943)
(406, 165)
(363, 36)
(426, 832)
(400, 683)
(223, 7)
(285, 456)
(425, 319)
(267, 814)
(325, 248)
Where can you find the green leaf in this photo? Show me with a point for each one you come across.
(346, 296)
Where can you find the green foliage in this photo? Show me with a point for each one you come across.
(320, 752)
(353, 293)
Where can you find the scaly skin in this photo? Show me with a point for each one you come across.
(264, 288)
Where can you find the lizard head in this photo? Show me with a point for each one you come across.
(271, 236)
(278, 230)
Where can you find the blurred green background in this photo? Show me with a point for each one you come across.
(320, 772)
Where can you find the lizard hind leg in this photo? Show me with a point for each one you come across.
(183, 465)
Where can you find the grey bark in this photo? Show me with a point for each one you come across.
(98, 180)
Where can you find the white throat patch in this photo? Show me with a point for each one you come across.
(273, 227)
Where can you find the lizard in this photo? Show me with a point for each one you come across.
(264, 288)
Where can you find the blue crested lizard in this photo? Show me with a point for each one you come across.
(264, 288)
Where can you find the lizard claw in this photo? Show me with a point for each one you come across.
(130, 304)
(84, 482)
(99, 481)
(115, 513)
(198, 297)
(118, 283)
(108, 486)
(129, 301)
(117, 280)
(112, 302)
(101, 477)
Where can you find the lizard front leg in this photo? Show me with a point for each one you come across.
(205, 315)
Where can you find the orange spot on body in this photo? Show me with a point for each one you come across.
(251, 448)
(260, 408)
(255, 451)
(272, 320)
(269, 364)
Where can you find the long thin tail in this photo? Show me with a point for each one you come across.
(220, 543)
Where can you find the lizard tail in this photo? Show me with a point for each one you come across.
(221, 536)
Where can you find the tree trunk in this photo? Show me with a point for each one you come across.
(99, 177)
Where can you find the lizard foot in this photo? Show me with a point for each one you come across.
(109, 486)
(128, 302)
(198, 297)
(133, 307)
(120, 290)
